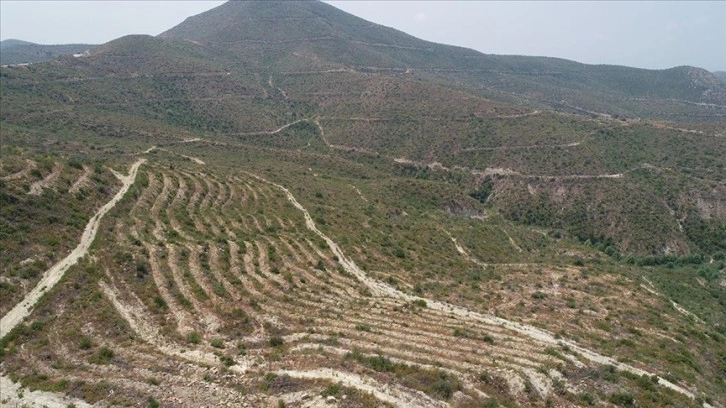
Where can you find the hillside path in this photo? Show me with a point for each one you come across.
(53, 275)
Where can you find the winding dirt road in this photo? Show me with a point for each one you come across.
(53, 275)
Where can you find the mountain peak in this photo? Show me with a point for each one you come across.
(255, 20)
(275, 22)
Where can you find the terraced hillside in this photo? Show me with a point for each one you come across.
(215, 285)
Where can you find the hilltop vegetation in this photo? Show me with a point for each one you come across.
(329, 208)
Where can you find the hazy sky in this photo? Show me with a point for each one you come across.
(640, 34)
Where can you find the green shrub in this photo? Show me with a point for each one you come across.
(461, 333)
(159, 302)
(363, 327)
(331, 389)
(104, 355)
(153, 381)
(587, 398)
(226, 360)
(538, 295)
(610, 373)
(85, 343)
(193, 337)
(484, 190)
(442, 388)
(377, 363)
(622, 398)
(551, 351)
(153, 403)
(419, 303)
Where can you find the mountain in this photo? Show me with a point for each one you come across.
(23, 52)
(280, 204)
(316, 36)
(721, 75)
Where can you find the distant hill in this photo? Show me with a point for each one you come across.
(12, 43)
(721, 75)
(22, 52)
(299, 36)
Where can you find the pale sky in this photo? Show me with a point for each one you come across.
(649, 34)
